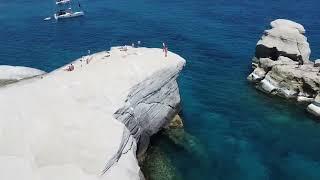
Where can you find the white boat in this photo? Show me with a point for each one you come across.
(63, 13)
(67, 14)
(62, 1)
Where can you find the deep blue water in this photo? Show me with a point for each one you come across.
(244, 134)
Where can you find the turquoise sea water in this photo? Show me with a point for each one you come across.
(240, 133)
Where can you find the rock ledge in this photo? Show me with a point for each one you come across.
(90, 123)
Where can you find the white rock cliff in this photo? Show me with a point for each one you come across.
(10, 74)
(282, 66)
(90, 123)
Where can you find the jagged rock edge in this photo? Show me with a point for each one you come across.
(128, 132)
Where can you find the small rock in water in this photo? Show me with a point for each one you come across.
(282, 66)
(314, 108)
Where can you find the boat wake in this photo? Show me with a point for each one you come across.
(47, 19)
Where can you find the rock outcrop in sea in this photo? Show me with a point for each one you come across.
(282, 65)
(89, 123)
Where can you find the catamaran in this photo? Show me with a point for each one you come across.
(63, 13)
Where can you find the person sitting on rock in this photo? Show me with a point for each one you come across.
(70, 68)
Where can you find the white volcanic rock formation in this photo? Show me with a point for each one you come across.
(9, 74)
(282, 66)
(280, 23)
(88, 124)
(285, 38)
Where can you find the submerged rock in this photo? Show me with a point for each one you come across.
(282, 66)
(176, 122)
(158, 166)
(188, 142)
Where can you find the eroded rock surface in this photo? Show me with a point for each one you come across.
(88, 124)
(285, 38)
(11, 74)
(282, 66)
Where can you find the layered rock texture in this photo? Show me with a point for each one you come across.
(89, 123)
(282, 66)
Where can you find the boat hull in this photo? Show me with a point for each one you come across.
(62, 2)
(69, 15)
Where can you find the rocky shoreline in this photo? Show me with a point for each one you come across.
(89, 123)
(282, 65)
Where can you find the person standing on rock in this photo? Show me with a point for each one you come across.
(165, 49)
(88, 60)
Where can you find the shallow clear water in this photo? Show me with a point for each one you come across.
(242, 134)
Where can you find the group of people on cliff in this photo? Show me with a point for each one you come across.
(124, 48)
